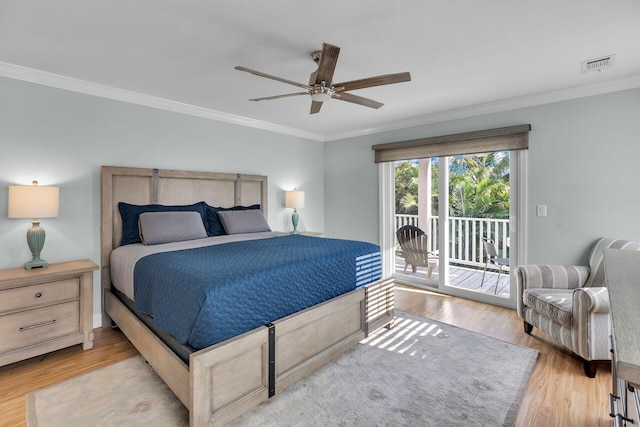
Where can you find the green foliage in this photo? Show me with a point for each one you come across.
(478, 186)
(406, 189)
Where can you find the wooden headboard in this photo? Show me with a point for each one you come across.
(167, 187)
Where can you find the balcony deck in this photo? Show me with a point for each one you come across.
(463, 277)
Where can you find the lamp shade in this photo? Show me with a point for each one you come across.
(294, 199)
(33, 201)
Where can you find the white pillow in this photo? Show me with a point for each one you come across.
(245, 221)
(167, 227)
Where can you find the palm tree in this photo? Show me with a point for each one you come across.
(479, 186)
(406, 188)
(479, 189)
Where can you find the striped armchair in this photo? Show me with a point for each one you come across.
(570, 303)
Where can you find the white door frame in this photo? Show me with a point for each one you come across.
(517, 223)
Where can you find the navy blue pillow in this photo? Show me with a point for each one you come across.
(131, 213)
(214, 226)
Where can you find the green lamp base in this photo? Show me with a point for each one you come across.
(294, 219)
(35, 263)
(35, 240)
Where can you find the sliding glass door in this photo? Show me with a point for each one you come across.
(467, 207)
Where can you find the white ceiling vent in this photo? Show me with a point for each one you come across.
(598, 64)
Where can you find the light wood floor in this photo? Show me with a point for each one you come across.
(558, 393)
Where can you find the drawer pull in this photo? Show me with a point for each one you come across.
(26, 328)
(613, 407)
(618, 421)
(38, 295)
(611, 345)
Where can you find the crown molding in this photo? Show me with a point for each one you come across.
(81, 86)
(31, 75)
(630, 82)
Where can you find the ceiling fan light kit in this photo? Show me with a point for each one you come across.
(321, 92)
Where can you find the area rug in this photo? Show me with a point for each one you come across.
(420, 373)
(127, 393)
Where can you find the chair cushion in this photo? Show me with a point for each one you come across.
(554, 304)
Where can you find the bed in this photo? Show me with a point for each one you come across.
(219, 382)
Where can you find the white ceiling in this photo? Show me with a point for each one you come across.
(465, 56)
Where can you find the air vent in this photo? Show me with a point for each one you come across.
(598, 64)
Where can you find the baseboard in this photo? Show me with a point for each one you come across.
(97, 320)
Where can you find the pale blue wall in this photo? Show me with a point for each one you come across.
(62, 138)
(583, 163)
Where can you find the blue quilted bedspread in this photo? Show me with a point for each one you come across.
(206, 295)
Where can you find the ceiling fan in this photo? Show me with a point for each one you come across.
(321, 87)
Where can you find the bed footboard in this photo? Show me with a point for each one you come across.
(218, 393)
(272, 358)
(228, 379)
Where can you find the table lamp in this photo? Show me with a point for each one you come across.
(33, 201)
(294, 199)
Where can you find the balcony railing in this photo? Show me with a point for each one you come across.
(465, 237)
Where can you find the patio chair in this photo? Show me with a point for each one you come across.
(413, 244)
(493, 258)
(570, 303)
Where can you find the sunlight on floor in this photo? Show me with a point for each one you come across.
(404, 336)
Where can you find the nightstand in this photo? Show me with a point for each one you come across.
(45, 309)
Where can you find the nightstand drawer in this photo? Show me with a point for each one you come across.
(27, 297)
(36, 326)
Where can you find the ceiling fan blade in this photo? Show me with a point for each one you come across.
(327, 64)
(349, 97)
(386, 79)
(269, 76)
(267, 98)
(315, 107)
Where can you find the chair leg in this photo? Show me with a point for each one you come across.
(495, 291)
(528, 327)
(483, 273)
(590, 368)
(430, 270)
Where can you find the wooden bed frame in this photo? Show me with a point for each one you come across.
(228, 379)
